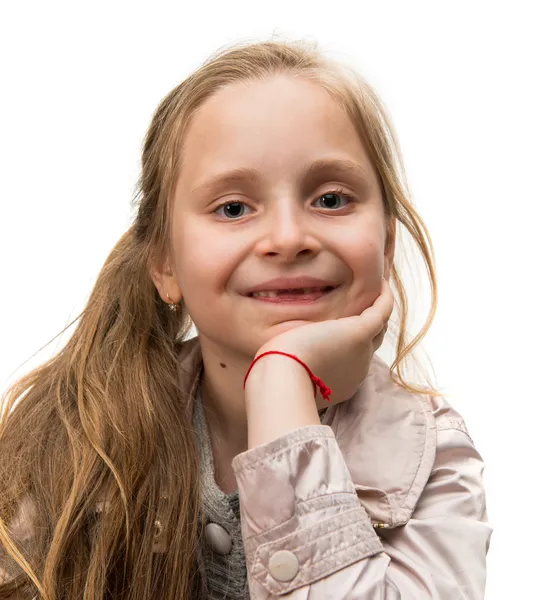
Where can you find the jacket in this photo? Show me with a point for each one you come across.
(383, 500)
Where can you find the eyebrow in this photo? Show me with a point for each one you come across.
(309, 174)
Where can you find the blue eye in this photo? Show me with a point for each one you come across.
(234, 212)
(232, 207)
(336, 194)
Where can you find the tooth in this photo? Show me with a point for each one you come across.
(274, 294)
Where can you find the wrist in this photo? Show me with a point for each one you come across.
(276, 365)
(279, 397)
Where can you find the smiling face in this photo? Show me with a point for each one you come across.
(309, 204)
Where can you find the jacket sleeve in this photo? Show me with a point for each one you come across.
(307, 536)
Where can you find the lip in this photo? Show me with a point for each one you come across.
(289, 283)
(296, 300)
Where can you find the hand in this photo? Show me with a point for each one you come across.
(338, 351)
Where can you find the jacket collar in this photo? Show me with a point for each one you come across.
(387, 436)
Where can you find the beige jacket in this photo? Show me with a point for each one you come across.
(383, 500)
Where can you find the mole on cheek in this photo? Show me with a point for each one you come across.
(223, 365)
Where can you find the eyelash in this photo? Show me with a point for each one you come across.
(337, 192)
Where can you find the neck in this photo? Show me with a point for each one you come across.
(224, 395)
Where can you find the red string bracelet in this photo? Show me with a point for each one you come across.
(324, 389)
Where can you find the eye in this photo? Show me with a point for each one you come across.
(334, 196)
(232, 209)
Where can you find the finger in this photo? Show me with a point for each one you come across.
(375, 317)
(378, 340)
(385, 302)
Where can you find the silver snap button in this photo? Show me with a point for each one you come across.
(218, 538)
(283, 565)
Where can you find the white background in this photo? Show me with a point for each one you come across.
(468, 88)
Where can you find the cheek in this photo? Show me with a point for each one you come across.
(205, 259)
(364, 256)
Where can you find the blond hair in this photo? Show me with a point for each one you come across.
(103, 417)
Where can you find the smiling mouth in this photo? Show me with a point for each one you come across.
(297, 296)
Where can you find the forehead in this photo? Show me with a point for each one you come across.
(281, 124)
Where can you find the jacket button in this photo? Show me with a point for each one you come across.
(283, 565)
(218, 538)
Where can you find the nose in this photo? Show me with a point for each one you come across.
(288, 231)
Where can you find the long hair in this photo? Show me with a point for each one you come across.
(103, 418)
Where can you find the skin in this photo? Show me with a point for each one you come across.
(284, 227)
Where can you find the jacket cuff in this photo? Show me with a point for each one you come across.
(297, 498)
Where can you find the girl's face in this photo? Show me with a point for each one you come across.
(280, 220)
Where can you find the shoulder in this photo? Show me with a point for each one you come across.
(391, 438)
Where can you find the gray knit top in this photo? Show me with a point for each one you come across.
(222, 576)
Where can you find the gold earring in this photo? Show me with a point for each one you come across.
(172, 306)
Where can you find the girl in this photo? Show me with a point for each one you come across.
(274, 454)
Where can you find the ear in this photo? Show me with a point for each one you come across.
(389, 252)
(164, 279)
